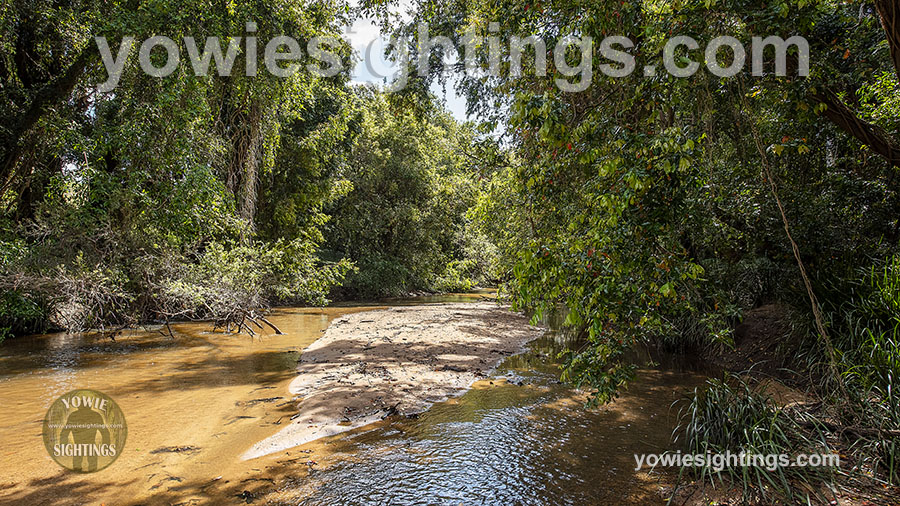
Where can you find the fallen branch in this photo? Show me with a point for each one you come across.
(267, 322)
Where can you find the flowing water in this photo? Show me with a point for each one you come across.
(194, 403)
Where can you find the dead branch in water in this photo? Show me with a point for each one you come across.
(267, 322)
(241, 319)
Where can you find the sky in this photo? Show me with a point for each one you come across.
(365, 37)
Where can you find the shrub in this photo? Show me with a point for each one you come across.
(21, 313)
(730, 416)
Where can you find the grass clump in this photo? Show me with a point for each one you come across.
(729, 416)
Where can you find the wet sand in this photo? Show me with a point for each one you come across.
(193, 405)
(196, 404)
(396, 361)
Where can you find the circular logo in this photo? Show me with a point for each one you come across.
(84, 431)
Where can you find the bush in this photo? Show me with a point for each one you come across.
(221, 282)
(729, 416)
(457, 277)
(21, 313)
(226, 281)
(380, 276)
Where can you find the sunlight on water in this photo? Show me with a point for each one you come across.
(518, 437)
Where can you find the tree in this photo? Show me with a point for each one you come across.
(644, 204)
(118, 200)
(403, 221)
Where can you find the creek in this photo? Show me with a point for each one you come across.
(195, 403)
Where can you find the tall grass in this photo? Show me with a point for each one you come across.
(868, 326)
(862, 418)
(871, 371)
(728, 415)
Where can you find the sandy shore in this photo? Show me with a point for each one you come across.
(397, 361)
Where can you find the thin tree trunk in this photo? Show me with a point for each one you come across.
(250, 166)
(53, 93)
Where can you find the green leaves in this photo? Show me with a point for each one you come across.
(659, 178)
(405, 221)
(667, 290)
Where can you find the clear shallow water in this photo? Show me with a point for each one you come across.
(520, 437)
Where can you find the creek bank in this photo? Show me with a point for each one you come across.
(762, 345)
(396, 361)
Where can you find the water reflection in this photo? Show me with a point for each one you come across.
(519, 438)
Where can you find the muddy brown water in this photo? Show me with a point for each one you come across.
(195, 403)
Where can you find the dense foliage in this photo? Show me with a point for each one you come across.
(209, 197)
(646, 204)
(660, 209)
(404, 223)
(655, 208)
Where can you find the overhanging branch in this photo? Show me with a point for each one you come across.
(847, 120)
(889, 12)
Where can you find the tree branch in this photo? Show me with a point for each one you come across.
(889, 11)
(53, 93)
(847, 120)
